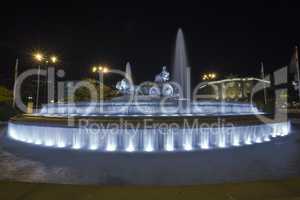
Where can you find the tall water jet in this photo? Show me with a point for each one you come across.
(128, 71)
(180, 65)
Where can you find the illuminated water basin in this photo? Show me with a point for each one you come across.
(166, 132)
(145, 139)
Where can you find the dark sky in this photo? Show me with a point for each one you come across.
(223, 37)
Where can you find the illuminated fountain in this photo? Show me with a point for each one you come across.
(159, 118)
(181, 66)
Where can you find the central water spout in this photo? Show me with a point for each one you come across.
(181, 72)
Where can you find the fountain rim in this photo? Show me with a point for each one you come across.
(236, 120)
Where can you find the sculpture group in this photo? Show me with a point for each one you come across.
(162, 86)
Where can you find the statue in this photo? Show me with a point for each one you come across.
(163, 77)
(161, 87)
(124, 87)
(165, 88)
(154, 91)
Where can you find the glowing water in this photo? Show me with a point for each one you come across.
(146, 140)
(181, 64)
(151, 107)
(187, 141)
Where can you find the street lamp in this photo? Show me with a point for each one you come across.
(101, 70)
(94, 69)
(209, 76)
(39, 57)
(53, 59)
(105, 70)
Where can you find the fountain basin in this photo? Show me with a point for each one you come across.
(144, 134)
(143, 106)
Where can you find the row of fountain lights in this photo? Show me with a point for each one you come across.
(279, 130)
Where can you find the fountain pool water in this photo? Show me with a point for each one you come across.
(109, 139)
(148, 105)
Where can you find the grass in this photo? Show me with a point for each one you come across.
(275, 190)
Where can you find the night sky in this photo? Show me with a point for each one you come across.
(228, 38)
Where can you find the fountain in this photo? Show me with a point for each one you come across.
(155, 120)
(181, 70)
(128, 72)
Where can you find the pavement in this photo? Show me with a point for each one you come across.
(262, 190)
(279, 189)
(3, 123)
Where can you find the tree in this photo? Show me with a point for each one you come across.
(6, 110)
(5, 95)
(83, 93)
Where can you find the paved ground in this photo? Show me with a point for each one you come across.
(279, 159)
(275, 190)
(24, 165)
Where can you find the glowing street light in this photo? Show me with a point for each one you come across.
(53, 59)
(209, 76)
(100, 69)
(39, 57)
(105, 70)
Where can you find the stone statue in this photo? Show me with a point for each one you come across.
(124, 87)
(163, 77)
(154, 91)
(167, 90)
(162, 86)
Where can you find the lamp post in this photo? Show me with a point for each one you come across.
(40, 58)
(51, 80)
(15, 82)
(209, 76)
(54, 59)
(101, 70)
